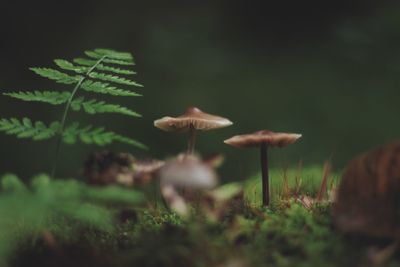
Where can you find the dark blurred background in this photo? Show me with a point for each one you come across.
(326, 69)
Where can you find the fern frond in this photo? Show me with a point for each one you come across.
(51, 97)
(66, 65)
(27, 129)
(89, 62)
(105, 88)
(113, 79)
(92, 74)
(94, 106)
(56, 75)
(98, 136)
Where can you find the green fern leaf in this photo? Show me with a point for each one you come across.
(46, 132)
(85, 62)
(118, 62)
(113, 79)
(91, 74)
(109, 60)
(56, 75)
(115, 70)
(88, 135)
(105, 88)
(114, 54)
(89, 62)
(66, 65)
(70, 133)
(51, 97)
(94, 106)
(98, 136)
(110, 54)
(27, 129)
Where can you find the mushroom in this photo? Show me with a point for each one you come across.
(186, 172)
(263, 139)
(193, 119)
(106, 167)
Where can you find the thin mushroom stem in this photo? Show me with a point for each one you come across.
(265, 174)
(192, 140)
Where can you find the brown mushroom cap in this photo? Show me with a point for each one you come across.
(195, 117)
(264, 136)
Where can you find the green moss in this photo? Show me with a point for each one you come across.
(282, 236)
(304, 181)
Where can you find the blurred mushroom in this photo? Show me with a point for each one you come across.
(263, 139)
(105, 167)
(193, 119)
(188, 172)
(145, 170)
(185, 172)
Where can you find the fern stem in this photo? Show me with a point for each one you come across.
(65, 114)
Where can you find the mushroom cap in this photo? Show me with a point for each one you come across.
(189, 172)
(264, 136)
(195, 117)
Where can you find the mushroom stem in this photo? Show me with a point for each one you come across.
(264, 172)
(192, 140)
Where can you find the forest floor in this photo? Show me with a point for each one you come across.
(296, 230)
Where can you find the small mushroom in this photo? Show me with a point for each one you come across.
(188, 172)
(185, 172)
(193, 119)
(106, 167)
(263, 139)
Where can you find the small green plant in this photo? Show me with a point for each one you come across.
(98, 73)
(27, 211)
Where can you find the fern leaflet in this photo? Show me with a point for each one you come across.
(56, 75)
(105, 88)
(113, 57)
(94, 106)
(98, 136)
(113, 79)
(66, 65)
(57, 98)
(89, 62)
(27, 129)
(51, 97)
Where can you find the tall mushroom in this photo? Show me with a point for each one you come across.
(263, 139)
(193, 119)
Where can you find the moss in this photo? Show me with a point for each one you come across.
(286, 234)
